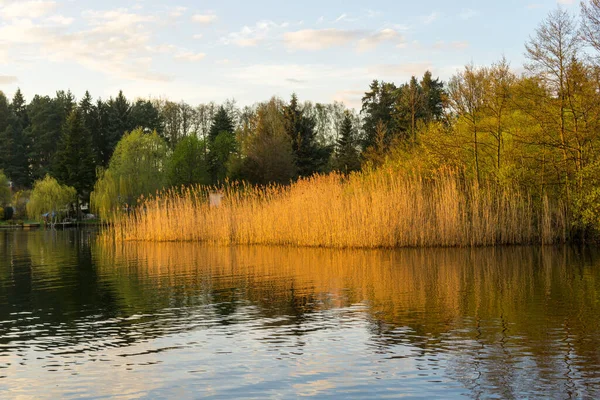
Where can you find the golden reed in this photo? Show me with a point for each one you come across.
(382, 209)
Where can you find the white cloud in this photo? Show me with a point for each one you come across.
(204, 18)
(26, 9)
(250, 36)
(341, 18)
(198, 36)
(431, 18)
(566, 2)
(114, 42)
(7, 79)
(385, 35)
(320, 39)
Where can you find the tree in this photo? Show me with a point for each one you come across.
(92, 124)
(74, 162)
(267, 153)
(5, 195)
(467, 97)
(378, 105)
(222, 122)
(187, 165)
(434, 97)
(13, 146)
(309, 156)
(590, 28)
(117, 124)
(499, 102)
(221, 144)
(137, 168)
(550, 52)
(410, 107)
(49, 196)
(346, 156)
(375, 154)
(144, 114)
(47, 117)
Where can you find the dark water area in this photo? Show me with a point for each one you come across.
(82, 319)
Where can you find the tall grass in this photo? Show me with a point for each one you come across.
(366, 210)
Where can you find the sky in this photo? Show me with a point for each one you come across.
(201, 51)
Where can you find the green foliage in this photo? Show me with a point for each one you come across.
(268, 155)
(222, 122)
(74, 161)
(19, 202)
(346, 157)
(587, 201)
(137, 168)
(187, 165)
(310, 157)
(5, 196)
(49, 196)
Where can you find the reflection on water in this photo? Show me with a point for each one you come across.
(78, 318)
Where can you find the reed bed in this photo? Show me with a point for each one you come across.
(382, 209)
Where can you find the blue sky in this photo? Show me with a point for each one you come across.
(200, 51)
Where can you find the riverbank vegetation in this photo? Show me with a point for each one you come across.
(386, 208)
(488, 157)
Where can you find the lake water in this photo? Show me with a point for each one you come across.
(82, 319)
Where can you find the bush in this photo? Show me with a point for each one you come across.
(1, 214)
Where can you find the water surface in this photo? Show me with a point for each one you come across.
(82, 319)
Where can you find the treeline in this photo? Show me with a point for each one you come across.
(538, 131)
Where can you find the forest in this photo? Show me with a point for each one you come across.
(528, 141)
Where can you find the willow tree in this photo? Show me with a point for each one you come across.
(136, 168)
(49, 196)
(4, 189)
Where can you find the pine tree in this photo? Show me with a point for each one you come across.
(222, 143)
(300, 128)
(346, 159)
(74, 165)
(46, 117)
(118, 123)
(222, 122)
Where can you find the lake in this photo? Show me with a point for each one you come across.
(79, 318)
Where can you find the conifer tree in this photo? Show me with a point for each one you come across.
(74, 165)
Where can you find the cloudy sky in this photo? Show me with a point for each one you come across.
(200, 51)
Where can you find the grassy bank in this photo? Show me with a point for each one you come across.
(367, 210)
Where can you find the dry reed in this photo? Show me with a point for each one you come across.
(380, 209)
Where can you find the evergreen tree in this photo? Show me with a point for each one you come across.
(100, 135)
(309, 156)
(144, 114)
(222, 122)
(346, 158)
(46, 118)
(4, 140)
(89, 114)
(378, 105)
(118, 123)
(434, 98)
(221, 143)
(74, 165)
